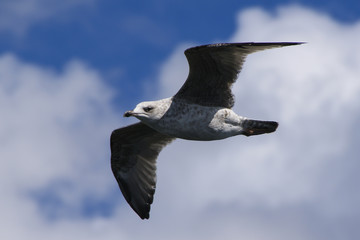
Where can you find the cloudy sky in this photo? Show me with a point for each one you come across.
(69, 69)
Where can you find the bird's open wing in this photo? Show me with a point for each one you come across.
(134, 150)
(213, 70)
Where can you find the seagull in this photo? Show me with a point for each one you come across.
(200, 110)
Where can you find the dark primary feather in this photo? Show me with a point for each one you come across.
(213, 70)
(134, 150)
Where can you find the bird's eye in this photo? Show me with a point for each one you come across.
(147, 109)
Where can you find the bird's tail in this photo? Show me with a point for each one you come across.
(256, 127)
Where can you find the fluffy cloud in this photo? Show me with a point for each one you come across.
(54, 140)
(307, 165)
(298, 183)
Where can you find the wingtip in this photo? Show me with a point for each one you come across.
(242, 44)
(276, 44)
(294, 43)
(143, 214)
(146, 217)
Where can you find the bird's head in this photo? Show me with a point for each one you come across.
(147, 111)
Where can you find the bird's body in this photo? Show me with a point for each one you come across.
(196, 122)
(189, 121)
(201, 110)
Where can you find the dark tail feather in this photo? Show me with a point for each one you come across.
(255, 127)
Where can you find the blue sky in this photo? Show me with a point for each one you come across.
(116, 37)
(69, 69)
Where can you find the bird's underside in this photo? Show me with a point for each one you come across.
(213, 70)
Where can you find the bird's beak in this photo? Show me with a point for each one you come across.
(128, 114)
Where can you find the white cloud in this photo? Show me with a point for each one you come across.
(313, 90)
(54, 143)
(298, 183)
(16, 16)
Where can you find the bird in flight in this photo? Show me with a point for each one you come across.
(200, 110)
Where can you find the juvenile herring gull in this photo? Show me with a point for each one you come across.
(200, 110)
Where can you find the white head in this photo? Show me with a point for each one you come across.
(149, 111)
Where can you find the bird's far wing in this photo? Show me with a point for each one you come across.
(134, 150)
(213, 70)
